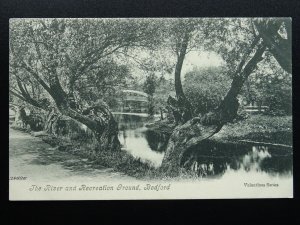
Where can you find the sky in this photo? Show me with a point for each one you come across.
(193, 59)
(200, 59)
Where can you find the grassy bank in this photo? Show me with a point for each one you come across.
(255, 128)
(260, 128)
(120, 161)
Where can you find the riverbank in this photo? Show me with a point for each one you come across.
(119, 161)
(256, 128)
(36, 161)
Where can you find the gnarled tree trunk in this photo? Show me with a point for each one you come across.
(100, 120)
(103, 125)
(281, 48)
(97, 118)
(181, 107)
(198, 129)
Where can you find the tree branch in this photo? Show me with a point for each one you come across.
(36, 76)
(280, 48)
(31, 101)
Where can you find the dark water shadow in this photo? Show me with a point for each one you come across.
(211, 159)
(156, 141)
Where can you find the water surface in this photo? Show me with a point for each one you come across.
(209, 159)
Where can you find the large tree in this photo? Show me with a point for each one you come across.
(182, 36)
(277, 36)
(62, 57)
(242, 47)
(59, 53)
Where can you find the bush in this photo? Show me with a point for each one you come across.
(206, 87)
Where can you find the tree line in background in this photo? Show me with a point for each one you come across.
(74, 68)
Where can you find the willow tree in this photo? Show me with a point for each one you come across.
(182, 36)
(242, 44)
(58, 53)
(277, 36)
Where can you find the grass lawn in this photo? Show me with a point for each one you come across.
(261, 128)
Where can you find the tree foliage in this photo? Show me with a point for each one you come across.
(206, 87)
(59, 54)
(270, 86)
(75, 67)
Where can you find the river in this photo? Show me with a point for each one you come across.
(221, 170)
(30, 155)
(210, 159)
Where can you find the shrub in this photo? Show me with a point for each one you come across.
(206, 87)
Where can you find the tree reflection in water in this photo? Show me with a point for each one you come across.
(214, 159)
(208, 159)
(156, 141)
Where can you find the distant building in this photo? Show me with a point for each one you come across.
(131, 101)
(252, 106)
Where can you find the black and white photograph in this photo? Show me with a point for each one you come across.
(150, 108)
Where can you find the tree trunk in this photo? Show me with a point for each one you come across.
(20, 117)
(281, 48)
(198, 129)
(182, 108)
(98, 118)
(183, 137)
(161, 113)
(50, 119)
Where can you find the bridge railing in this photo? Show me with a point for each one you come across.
(256, 108)
(135, 98)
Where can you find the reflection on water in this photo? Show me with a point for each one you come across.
(135, 142)
(209, 159)
(134, 139)
(157, 142)
(215, 159)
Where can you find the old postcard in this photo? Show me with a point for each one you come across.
(150, 108)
